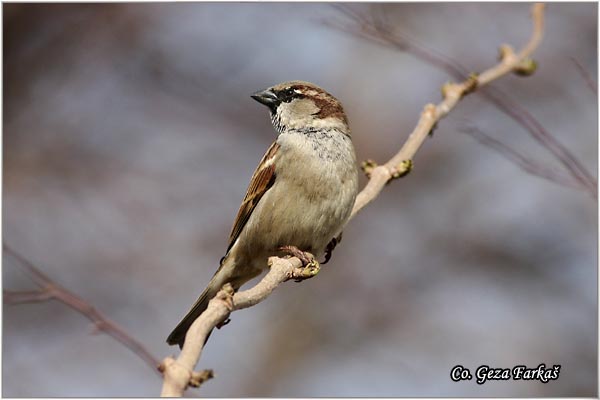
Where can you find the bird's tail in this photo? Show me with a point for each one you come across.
(221, 277)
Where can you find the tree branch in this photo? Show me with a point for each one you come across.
(453, 93)
(377, 30)
(179, 373)
(50, 290)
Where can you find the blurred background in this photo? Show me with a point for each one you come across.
(129, 141)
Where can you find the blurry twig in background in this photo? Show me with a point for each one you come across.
(377, 29)
(522, 161)
(591, 83)
(50, 290)
(178, 374)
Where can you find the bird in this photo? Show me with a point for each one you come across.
(300, 196)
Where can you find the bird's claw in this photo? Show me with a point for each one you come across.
(307, 271)
(310, 266)
(303, 256)
(330, 247)
(225, 322)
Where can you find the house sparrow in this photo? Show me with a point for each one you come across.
(300, 196)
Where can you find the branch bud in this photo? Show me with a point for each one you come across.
(526, 67)
(506, 53)
(471, 84)
(446, 87)
(367, 167)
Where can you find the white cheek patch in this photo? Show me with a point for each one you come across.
(290, 118)
(297, 113)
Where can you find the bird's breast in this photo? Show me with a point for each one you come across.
(310, 201)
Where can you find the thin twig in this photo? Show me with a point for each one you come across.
(50, 290)
(366, 29)
(587, 77)
(580, 174)
(179, 373)
(26, 296)
(522, 161)
(431, 114)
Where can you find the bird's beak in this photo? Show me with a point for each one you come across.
(266, 97)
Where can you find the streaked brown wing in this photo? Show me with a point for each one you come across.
(262, 179)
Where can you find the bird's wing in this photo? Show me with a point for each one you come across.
(262, 180)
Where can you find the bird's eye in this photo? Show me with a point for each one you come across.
(289, 94)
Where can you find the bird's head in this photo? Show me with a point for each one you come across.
(298, 105)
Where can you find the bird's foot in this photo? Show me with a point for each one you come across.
(330, 247)
(303, 256)
(310, 266)
(222, 324)
(306, 272)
